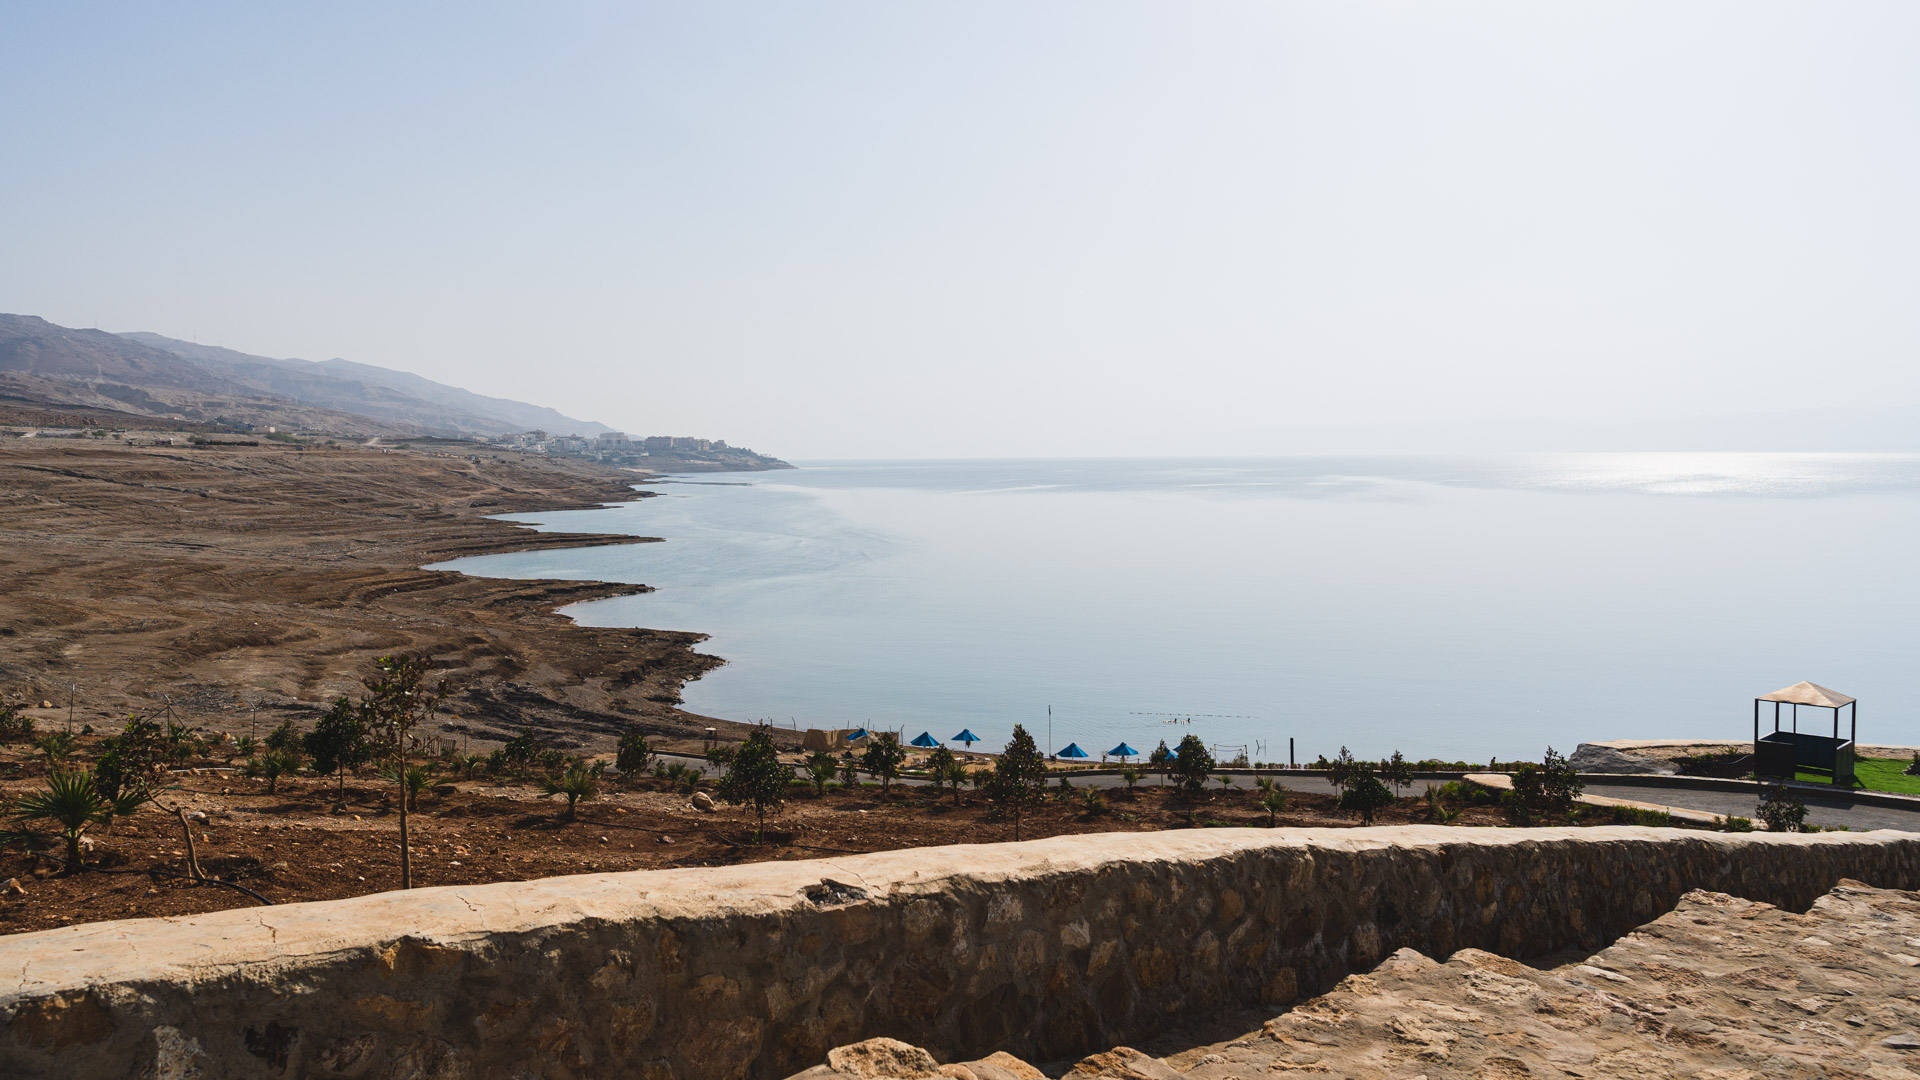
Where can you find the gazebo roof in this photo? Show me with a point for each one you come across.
(1806, 693)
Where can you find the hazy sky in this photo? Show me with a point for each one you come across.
(908, 229)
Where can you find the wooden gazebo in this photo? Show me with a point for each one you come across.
(1782, 753)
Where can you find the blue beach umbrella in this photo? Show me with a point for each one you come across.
(967, 736)
(925, 738)
(1073, 750)
(1123, 752)
(858, 734)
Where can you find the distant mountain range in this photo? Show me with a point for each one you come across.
(150, 375)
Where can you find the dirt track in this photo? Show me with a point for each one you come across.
(218, 578)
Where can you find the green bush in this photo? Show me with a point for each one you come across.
(756, 776)
(1782, 810)
(1634, 815)
(1365, 794)
(633, 755)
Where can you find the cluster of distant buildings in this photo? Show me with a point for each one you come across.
(610, 445)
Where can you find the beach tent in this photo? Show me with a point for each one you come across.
(1123, 752)
(967, 736)
(1073, 750)
(925, 739)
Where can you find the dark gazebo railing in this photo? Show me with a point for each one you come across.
(1782, 753)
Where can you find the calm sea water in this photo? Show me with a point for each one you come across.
(1454, 607)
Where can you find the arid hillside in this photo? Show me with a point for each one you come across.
(223, 578)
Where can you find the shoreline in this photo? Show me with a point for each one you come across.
(246, 585)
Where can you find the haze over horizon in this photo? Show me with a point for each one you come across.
(870, 230)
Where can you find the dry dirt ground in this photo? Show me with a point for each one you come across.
(290, 846)
(220, 578)
(1719, 988)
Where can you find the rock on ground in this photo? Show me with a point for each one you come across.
(1589, 758)
(1720, 987)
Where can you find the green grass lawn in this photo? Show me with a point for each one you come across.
(1874, 774)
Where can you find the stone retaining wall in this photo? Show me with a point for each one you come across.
(1047, 949)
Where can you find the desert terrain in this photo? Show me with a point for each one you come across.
(241, 585)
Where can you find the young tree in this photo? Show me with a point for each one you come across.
(633, 755)
(1342, 770)
(578, 782)
(134, 760)
(820, 766)
(1398, 771)
(1365, 794)
(1560, 784)
(1159, 760)
(937, 763)
(1191, 765)
(1130, 776)
(518, 754)
(75, 803)
(1526, 795)
(285, 738)
(883, 757)
(397, 702)
(1019, 778)
(338, 744)
(756, 775)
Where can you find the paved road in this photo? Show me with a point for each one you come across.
(1821, 809)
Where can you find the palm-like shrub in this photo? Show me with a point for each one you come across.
(1130, 776)
(417, 779)
(73, 802)
(1273, 800)
(679, 777)
(821, 766)
(956, 775)
(576, 783)
(1094, 802)
(271, 767)
(56, 745)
